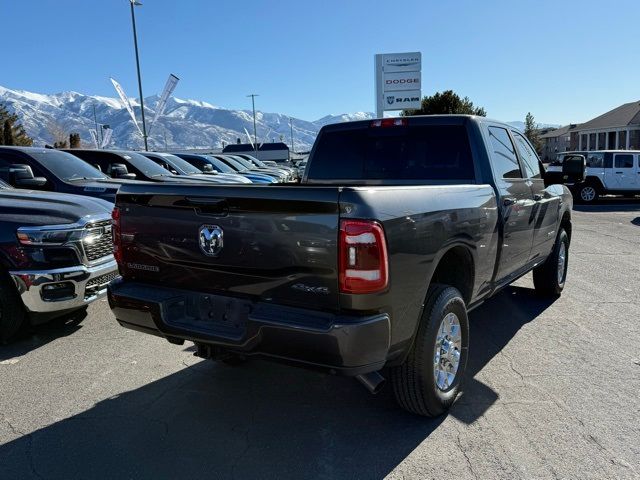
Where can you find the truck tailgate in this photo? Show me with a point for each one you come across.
(271, 243)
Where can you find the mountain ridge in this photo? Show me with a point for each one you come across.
(185, 123)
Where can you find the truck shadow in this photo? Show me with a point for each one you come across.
(33, 337)
(260, 420)
(610, 205)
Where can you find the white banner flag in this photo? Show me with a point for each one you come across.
(106, 137)
(169, 87)
(126, 103)
(249, 137)
(94, 136)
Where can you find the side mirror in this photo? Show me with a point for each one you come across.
(573, 168)
(573, 171)
(207, 168)
(22, 176)
(119, 170)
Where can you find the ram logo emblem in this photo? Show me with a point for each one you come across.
(211, 240)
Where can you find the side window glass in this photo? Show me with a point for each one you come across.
(6, 160)
(504, 159)
(528, 156)
(623, 161)
(595, 160)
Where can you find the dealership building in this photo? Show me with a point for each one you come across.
(556, 141)
(618, 129)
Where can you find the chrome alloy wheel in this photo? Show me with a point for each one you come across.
(588, 193)
(562, 262)
(446, 358)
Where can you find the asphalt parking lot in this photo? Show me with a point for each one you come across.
(551, 392)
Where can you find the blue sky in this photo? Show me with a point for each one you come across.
(565, 61)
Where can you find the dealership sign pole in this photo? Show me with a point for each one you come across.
(398, 81)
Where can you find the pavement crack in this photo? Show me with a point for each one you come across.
(511, 366)
(466, 457)
(236, 462)
(247, 440)
(29, 448)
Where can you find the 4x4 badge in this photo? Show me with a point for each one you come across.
(211, 240)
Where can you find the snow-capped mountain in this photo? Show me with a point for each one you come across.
(184, 123)
(345, 117)
(520, 125)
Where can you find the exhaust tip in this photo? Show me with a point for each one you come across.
(372, 381)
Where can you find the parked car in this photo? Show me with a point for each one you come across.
(178, 166)
(55, 255)
(128, 165)
(55, 171)
(609, 172)
(301, 167)
(290, 174)
(280, 175)
(208, 164)
(400, 226)
(255, 176)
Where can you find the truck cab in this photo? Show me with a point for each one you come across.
(54, 171)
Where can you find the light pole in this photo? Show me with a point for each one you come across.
(291, 126)
(135, 3)
(255, 136)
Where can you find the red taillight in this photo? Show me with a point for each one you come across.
(117, 238)
(389, 122)
(363, 261)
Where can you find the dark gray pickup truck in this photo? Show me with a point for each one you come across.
(55, 255)
(399, 227)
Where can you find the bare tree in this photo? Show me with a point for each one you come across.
(58, 133)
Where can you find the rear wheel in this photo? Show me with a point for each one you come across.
(430, 378)
(12, 314)
(550, 277)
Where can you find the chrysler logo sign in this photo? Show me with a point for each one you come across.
(211, 240)
(403, 61)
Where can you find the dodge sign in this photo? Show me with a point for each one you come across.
(401, 81)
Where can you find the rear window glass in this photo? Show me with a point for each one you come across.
(147, 166)
(66, 166)
(421, 152)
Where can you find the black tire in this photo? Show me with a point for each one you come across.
(414, 382)
(12, 313)
(546, 278)
(588, 192)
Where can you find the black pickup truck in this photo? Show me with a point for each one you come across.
(55, 171)
(399, 227)
(55, 255)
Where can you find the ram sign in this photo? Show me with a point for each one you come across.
(398, 81)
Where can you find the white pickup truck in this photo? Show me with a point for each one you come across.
(608, 172)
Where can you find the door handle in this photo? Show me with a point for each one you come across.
(619, 173)
(537, 197)
(506, 201)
